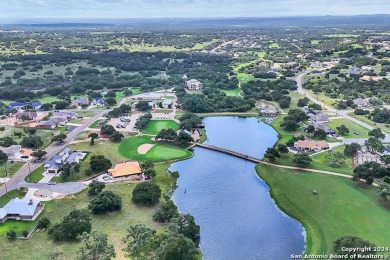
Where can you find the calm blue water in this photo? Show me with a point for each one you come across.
(238, 218)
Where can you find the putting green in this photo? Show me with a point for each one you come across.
(158, 153)
(155, 126)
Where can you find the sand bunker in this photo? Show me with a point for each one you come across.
(144, 148)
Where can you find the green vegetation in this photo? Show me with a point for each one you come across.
(232, 92)
(95, 124)
(352, 126)
(343, 35)
(12, 168)
(314, 42)
(11, 195)
(35, 175)
(158, 153)
(155, 126)
(274, 45)
(325, 215)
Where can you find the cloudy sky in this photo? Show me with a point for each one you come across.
(22, 9)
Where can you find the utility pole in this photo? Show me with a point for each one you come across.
(29, 170)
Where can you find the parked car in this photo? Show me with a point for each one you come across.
(52, 183)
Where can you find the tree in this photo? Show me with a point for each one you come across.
(320, 134)
(302, 159)
(61, 104)
(368, 171)
(148, 169)
(31, 141)
(25, 233)
(99, 163)
(291, 125)
(310, 129)
(384, 191)
(167, 134)
(271, 154)
(374, 145)
(11, 234)
(184, 139)
(46, 106)
(385, 159)
(143, 106)
(342, 130)
(95, 187)
(140, 241)
(189, 121)
(7, 141)
(303, 102)
(38, 155)
(167, 211)
(352, 242)
(177, 247)
(146, 193)
(107, 130)
(352, 149)
(93, 136)
(59, 138)
(69, 169)
(127, 92)
(43, 223)
(336, 159)
(377, 133)
(3, 160)
(110, 101)
(71, 226)
(105, 201)
(185, 224)
(116, 137)
(282, 148)
(95, 246)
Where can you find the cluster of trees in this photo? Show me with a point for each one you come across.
(277, 91)
(108, 130)
(146, 193)
(148, 169)
(189, 121)
(291, 121)
(368, 171)
(170, 134)
(119, 111)
(143, 121)
(99, 163)
(274, 152)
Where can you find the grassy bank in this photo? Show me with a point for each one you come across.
(155, 126)
(340, 208)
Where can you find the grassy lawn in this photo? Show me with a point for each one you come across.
(231, 92)
(274, 45)
(382, 126)
(160, 152)
(352, 126)
(12, 168)
(136, 91)
(340, 208)
(284, 135)
(314, 42)
(86, 113)
(35, 175)
(155, 126)
(95, 124)
(11, 195)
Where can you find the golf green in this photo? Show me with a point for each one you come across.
(158, 153)
(155, 126)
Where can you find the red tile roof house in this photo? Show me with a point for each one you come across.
(310, 145)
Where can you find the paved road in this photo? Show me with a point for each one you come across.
(17, 180)
(342, 113)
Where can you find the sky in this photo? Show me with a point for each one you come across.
(24, 9)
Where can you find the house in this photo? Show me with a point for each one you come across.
(58, 160)
(81, 101)
(365, 68)
(64, 114)
(319, 118)
(125, 169)
(316, 64)
(328, 130)
(354, 71)
(23, 105)
(369, 78)
(26, 116)
(310, 145)
(21, 209)
(362, 102)
(194, 84)
(167, 103)
(316, 72)
(52, 123)
(13, 152)
(98, 102)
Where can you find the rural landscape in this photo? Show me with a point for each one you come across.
(213, 139)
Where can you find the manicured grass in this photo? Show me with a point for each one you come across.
(352, 126)
(315, 42)
(231, 92)
(340, 208)
(95, 124)
(11, 195)
(136, 91)
(160, 152)
(35, 175)
(155, 126)
(12, 168)
(284, 135)
(86, 113)
(274, 45)
(364, 119)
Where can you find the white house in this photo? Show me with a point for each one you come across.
(194, 84)
(21, 209)
(362, 102)
(316, 64)
(98, 102)
(64, 114)
(13, 152)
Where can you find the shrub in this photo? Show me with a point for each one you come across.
(146, 193)
(43, 223)
(105, 201)
(11, 234)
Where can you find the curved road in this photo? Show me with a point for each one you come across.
(342, 113)
(17, 180)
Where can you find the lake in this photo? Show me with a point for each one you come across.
(232, 205)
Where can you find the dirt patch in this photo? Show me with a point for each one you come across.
(144, 148)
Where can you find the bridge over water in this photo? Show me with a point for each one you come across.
(226, 151)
